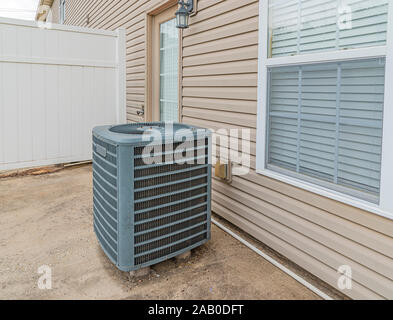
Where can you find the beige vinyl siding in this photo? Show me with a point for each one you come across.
(220, 51)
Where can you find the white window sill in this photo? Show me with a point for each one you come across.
(364, 205)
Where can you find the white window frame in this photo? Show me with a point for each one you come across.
(385, 206)
(62, 11)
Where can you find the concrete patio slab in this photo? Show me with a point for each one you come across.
(47, 220)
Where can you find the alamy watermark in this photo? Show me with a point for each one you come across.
(187, 146)
(343, 17)
(344, 281)
(45, 280)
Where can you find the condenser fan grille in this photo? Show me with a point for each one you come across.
(169, 250)
(170, 239)
(171, 209)
(170, 203)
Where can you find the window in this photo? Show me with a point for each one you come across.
(62, 13)
(325, 98)
(307, 26)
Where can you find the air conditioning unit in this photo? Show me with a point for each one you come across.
(152, 190)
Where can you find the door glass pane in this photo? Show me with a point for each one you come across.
(169, 57)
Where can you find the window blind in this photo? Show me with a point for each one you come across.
(307, 26)
(325, 122)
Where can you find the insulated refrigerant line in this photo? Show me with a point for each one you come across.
(274, 262)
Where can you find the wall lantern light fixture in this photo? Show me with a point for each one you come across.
(186, 9)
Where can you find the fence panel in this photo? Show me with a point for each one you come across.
(56, 83)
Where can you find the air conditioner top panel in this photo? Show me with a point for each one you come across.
(139, 133)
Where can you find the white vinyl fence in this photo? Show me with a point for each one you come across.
(57, 83)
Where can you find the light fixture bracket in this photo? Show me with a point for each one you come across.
(188, 5)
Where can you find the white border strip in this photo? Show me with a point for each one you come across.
(275, 263)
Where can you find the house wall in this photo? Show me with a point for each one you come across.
(54, 16)
(42, 9)
(220, 91)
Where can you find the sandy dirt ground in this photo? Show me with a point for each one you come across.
(47, 220)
